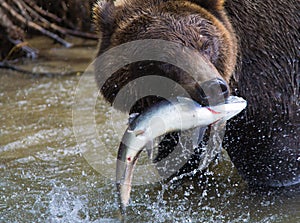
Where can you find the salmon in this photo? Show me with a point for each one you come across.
(179, 114)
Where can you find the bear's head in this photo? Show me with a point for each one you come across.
(197, 25)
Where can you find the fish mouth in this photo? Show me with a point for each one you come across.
(124, 173)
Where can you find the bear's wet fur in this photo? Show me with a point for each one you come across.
(181, 22)
(263, 142)
(253, 44)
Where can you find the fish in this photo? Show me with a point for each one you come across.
(177, 114)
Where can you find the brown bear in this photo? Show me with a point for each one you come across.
(254, 46)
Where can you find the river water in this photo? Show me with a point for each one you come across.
(45, 176)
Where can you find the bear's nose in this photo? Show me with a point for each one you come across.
(224, 88)
(214, 92)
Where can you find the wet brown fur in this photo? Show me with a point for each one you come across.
(126, 22)
(263, 142)
(183, 22)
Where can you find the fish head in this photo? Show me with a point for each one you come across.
(232, 107)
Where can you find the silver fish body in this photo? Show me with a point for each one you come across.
(176, 115)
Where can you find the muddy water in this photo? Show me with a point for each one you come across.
(45, 177)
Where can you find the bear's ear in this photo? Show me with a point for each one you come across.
(104, 16)
(211, 5)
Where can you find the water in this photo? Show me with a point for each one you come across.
(45, 177)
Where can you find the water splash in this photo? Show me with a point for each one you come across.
(65, 206)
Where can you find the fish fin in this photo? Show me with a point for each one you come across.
(189, 104)
(132, 117)
(139, 132)
(187, 101)
(198, 135)
(149, 149)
